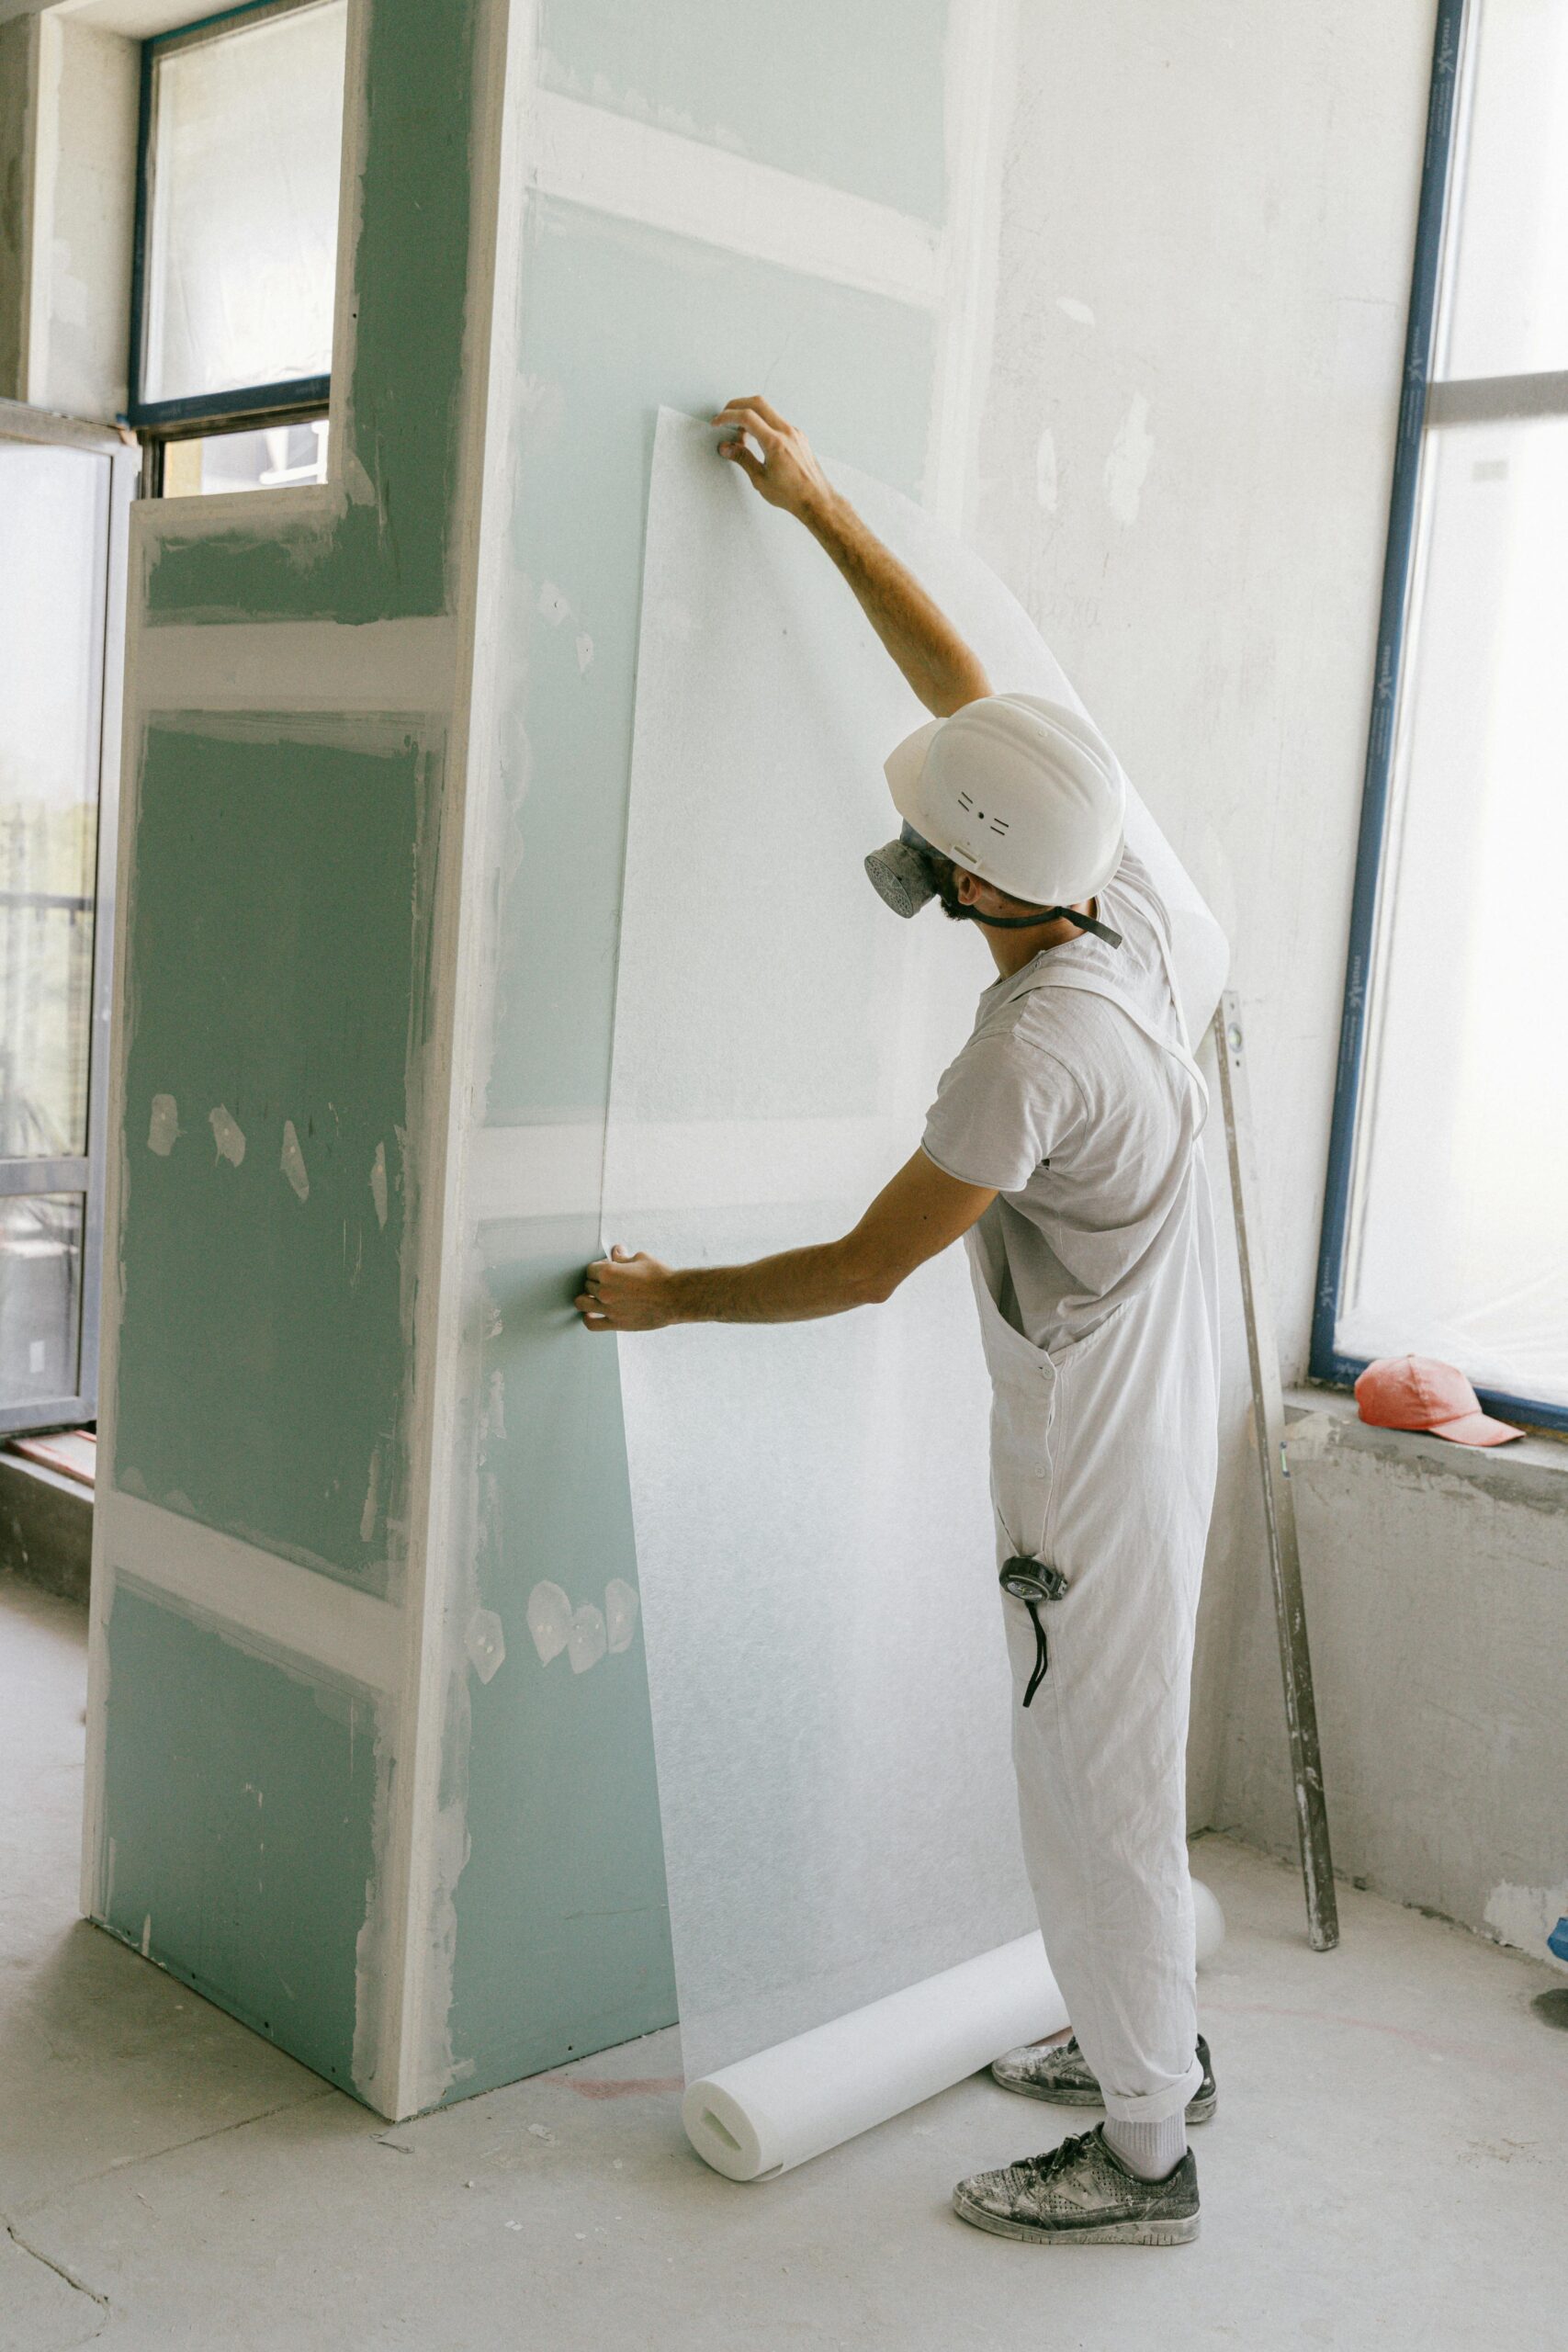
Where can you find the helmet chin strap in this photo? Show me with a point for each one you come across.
(1045, 914)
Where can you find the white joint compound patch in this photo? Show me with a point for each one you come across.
(620, 1613)
(1126, 469)
(1071, 307)
(553, 604)
(1524, 1916)
(378, 1184)
(293, 1162)
(550, 1619)
(163, 1127)
(1046, 470)
(587, 1641)
(584, 651)
(372, 1499)
(486, 1644)
(228, 1134)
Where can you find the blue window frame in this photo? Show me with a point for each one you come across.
(1447, 387)
(221, 405)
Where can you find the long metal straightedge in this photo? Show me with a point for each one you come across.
(1278, 1502)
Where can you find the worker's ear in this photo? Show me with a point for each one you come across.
(973, 892)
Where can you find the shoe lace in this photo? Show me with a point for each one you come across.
(1055, 2160)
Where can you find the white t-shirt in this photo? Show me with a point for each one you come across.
(1081, 1124)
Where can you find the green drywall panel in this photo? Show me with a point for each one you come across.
(562, 1941)
(387, 555)
(275, 972)
(239, 1809)
(849, 92)
(563, 1937)
(618, 322)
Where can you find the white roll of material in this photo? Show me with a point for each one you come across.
(767, 2113)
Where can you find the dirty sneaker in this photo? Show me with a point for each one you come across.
(1082, 2194)
(1059, 2072)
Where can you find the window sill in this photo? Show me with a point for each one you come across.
(1533, 1471)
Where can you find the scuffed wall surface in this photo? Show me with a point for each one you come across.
(1207, 225)
(273, 999)
(18, 48)
(1437, 1594)
(240, 1794)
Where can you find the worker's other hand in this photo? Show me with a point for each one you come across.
(787, 473)
(627, 1291)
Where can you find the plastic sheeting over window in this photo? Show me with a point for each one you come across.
(1457, 1244)
(831, 1697)
(1453, 1245)
(245, 145)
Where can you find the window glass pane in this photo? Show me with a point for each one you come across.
(277, 456)
(246, 142)
(1506, 309)
(40, 1296)
(54, 519)
(1460, 1246)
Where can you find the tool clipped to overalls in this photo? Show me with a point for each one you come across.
(1033, 1581)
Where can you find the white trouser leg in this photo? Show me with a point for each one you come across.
(1101, 1789)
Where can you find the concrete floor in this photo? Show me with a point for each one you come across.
(1388, 2167)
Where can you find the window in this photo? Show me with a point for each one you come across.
(236, 243)
(1444, 1231)
(64, 495)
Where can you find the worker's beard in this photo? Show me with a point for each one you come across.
(944, 873)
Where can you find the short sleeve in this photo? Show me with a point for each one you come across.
(1002, 1108)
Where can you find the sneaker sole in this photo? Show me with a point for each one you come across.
(1172, 2232)
(1199, 2110)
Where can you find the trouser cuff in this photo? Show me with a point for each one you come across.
(1155, 2107)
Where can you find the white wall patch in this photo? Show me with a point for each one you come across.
(1071, 307)
(372, 1499)
(1046, 484)
(293, 1162)
(550, 1619)
(228, 1134)
(553, 604)
(587, 1641)
(486, 1644)
(1127, 465)
(584, 651)
(378, 1184)
(163, 1127)
(620, 1613)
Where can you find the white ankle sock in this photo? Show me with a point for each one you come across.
(1151, 2150)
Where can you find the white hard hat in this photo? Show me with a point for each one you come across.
(1022, 792)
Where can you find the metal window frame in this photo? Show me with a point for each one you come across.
(1423, 403)
(296, 397)
(87, 1174)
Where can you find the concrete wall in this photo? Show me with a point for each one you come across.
(1207, 224)
(1437, 1588)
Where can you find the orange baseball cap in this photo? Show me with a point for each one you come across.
(1418, 1393)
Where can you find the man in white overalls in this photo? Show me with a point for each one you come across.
(1062, 1148)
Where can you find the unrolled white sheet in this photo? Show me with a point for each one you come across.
(831, 1699)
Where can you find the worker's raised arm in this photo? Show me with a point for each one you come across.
(920, 1212)
(944, 672)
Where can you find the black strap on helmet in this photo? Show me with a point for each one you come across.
(1046, 915)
